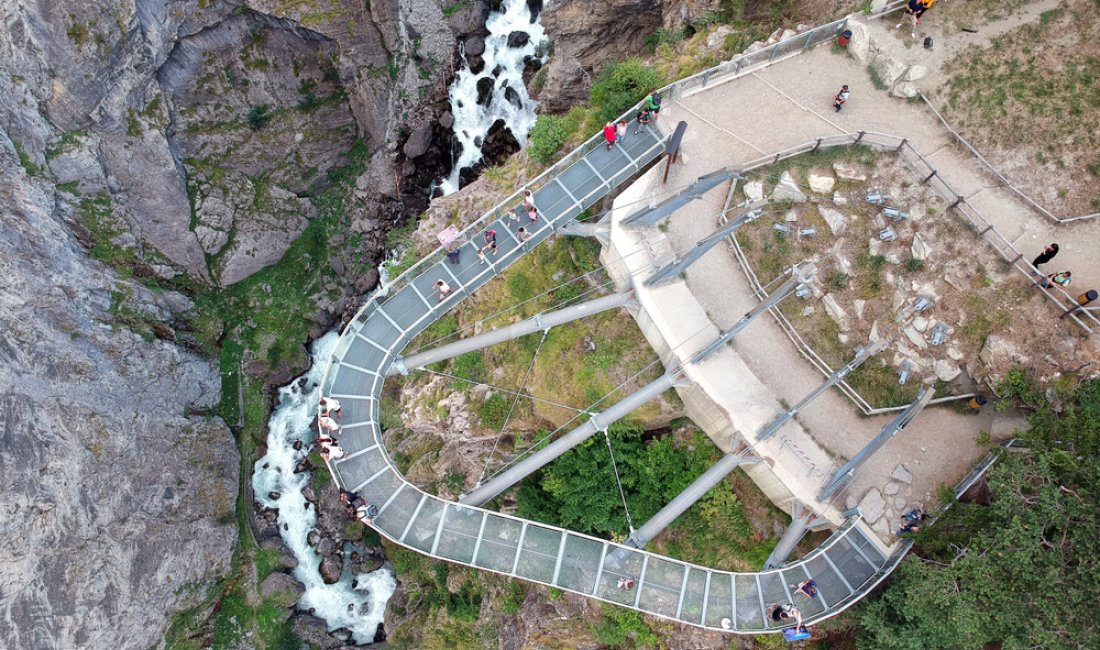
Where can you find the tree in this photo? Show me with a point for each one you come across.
(1022, 570)
(621, 85)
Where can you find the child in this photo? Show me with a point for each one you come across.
(529, 205)
(444, 289)
(609, 134)
(522, 235)
(620, 130)
(841, 97)
(916, 9)
(808, 589)
(644, 118)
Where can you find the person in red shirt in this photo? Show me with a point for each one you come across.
(609, 134)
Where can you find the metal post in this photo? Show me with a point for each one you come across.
(845, 474)
(801, 520)
(958, 201)
(902, 145)
(536, 323)
(862, 355)
(800, 275)
(692, 493)
(929, 177)
(817, 145)
(598, 422)
(860, 138)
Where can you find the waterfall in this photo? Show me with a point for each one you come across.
(507, 99)
(356, 602)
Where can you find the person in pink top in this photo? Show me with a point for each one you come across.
(609, 134)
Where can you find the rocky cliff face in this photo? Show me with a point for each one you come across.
(117, 491)
(206, 129)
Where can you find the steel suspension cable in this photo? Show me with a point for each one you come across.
(512, 408)
(618, 480)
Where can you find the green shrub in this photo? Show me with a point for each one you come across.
(258, 117)
(547, 137)
(470, 366)
(493, 411)
(622, 85)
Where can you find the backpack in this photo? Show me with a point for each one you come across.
(656, 101)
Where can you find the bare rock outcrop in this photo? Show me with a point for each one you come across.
(586, 35)
(117, 486)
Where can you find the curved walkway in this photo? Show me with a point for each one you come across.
(845, 567)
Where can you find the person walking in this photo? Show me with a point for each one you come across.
(916, 9)
(1082, 300)
(522, 235)
(841, 97)
(490, 244)
(1047, 255)
(529, 205)
(620, 129)
(453, 252)
(644, 118)
(609, 134)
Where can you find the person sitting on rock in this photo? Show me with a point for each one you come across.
(351, 501)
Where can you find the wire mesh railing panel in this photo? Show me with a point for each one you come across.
(619, 565)
(458, 539)
(869, 548)
(579, 563)
(829, 584)
(422, 531)
(750, 614)
(691, 607)
(848, 561)
(499, 544)
(357, 469)
(664, 581)
(539, 554)
(397, 514)
(379, 490)
(772, 589)
(719, 599)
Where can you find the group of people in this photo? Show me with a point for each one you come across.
(328, 427)
(1060, 278)
(650, 109)
(357, 507)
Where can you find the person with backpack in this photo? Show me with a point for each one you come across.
(653, 101)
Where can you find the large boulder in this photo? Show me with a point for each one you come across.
(787, 189)
(834, 218)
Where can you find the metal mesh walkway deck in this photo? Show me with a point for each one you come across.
(845, 567)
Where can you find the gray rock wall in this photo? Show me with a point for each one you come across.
(118, 497)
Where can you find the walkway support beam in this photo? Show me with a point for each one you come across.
(672, 271)
(598, 422)
(692, 493)
(536, 323)
(799, 275)
(862, 355)
(651, 216)
(801, 520)
(845, 474)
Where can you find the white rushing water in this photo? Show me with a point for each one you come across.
(472, 121)
(358, 608)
